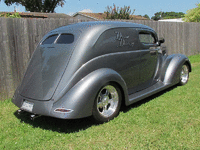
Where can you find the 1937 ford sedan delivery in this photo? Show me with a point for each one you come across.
(92, 68)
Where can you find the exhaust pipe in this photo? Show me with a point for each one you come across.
(34, 116)
(19, 112)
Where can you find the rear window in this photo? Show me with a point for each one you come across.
(50, 39)
(65, 39)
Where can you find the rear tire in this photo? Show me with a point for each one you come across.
(107, 103)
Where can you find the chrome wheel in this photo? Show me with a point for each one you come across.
(107, 101)
(184, 76)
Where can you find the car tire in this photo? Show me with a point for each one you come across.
(107, 103)
(184, 74)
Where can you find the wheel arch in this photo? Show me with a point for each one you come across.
(80, 98)
(189, 65)
(172, 67)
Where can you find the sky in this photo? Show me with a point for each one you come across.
(141, 7)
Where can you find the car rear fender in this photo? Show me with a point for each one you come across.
(172, 67)
(80, 98)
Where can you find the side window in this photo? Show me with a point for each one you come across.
(65, 39)
(146, 38)
(50, 39)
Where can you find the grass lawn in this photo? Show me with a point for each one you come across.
(167, 120)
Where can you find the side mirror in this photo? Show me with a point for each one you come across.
(160, 41)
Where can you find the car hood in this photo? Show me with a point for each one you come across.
(45, 70)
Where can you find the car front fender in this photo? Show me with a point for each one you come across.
(80, 98)
(172, 68)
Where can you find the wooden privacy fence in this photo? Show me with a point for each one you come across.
(19, 38)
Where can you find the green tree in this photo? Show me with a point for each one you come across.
(167, 15)
(37, 5)
(157, 16)
(172, 15)
(193, 15)
(146, 16)
(118, 13)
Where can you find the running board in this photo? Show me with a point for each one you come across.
(159, 86)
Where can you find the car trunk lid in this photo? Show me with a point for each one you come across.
(45, 70)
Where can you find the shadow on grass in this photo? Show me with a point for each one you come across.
(75, 125)
(55, 124)
(125, 109)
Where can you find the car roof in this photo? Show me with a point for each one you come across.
(82, 26)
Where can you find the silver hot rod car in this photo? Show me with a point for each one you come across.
(90, 69)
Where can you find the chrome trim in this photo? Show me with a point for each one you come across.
(107, 101)
(63, 110)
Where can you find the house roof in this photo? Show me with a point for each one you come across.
(40, 15)
(172, 20)
(95, 16)
(136, 17)
(102, 16)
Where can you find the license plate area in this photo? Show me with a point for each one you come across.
(27, 106)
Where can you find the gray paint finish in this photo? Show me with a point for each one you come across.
(70, 76)
(45, 69)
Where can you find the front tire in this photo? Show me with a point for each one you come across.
(184, 74)
(107, 103)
